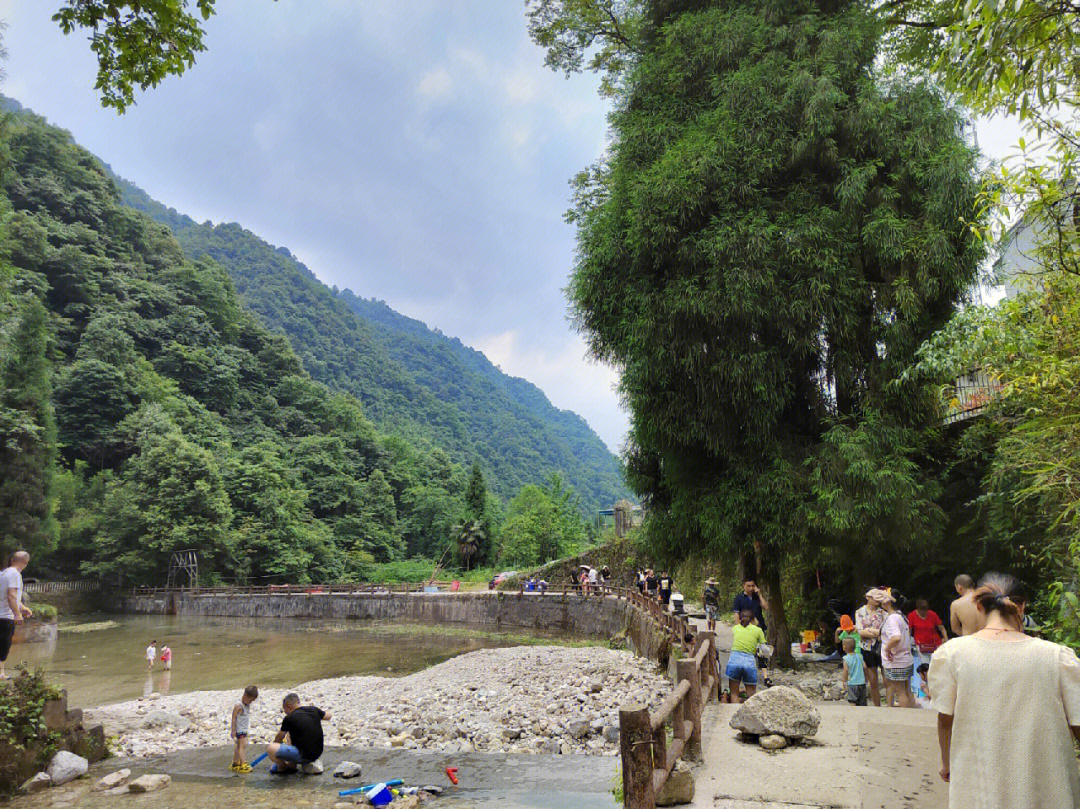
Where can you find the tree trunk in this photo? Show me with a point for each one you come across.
(779, 634)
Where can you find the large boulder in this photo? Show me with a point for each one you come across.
(66, 767)
(779, 710)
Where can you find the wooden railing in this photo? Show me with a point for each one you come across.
(647, 757)
(62, 586)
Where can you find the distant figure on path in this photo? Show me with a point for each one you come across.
(12, 611)
(1008, 710)
(711, 599)
(965, 617)
(151, 655)
(868, 621)
(241, 727)
(666, 584)
(742, 665)
(303, 727)
(750, 599)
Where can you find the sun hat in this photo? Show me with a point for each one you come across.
(710, 580)
(879, 595)
(846, 623)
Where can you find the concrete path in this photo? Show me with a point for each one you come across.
(861, 758)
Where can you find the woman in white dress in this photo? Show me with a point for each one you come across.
(1008, 708)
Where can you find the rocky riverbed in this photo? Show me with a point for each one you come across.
(535, 699)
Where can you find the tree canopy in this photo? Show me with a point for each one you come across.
(774, 232)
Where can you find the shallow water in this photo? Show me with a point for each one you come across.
(108, 665)
(201, 780)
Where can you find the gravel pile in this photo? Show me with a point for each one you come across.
(526, 699)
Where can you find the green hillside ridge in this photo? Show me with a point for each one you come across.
(412, 380)
(145, 408)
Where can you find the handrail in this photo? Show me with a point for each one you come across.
(647, 760)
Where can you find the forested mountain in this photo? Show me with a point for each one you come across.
(145, 409)
(411, 380)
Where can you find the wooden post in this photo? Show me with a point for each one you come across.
(693, 703)
(711, 661)
(687, 669)
(635, 747)
(683, 671)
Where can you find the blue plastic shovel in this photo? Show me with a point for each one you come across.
(357, 790)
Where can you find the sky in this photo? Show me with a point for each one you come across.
(414, 151)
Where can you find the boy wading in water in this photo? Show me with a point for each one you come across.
(151, 655)
(241, 727)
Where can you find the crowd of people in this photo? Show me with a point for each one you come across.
(1007, 703)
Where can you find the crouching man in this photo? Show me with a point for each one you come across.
(302, 726)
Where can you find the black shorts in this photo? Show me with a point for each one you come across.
(7, 631)
(871, 660)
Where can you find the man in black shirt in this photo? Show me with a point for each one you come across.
(665, 588)
(303, 727)
(750, 599)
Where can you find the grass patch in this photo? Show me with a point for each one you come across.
(79, 629)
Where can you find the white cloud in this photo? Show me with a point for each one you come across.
(436, 84)
(521, 85)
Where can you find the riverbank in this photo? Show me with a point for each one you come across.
(534, 699)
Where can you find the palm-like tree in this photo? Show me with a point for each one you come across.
(470, 535)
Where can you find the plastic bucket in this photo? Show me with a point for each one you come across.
(380, 795)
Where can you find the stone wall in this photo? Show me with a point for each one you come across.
(601, 618)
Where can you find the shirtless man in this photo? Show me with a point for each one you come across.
(965, 618)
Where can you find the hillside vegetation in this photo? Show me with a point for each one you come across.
(145, 408)
(411, 380)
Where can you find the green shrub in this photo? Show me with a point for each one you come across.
(25, 743)
(44, 612)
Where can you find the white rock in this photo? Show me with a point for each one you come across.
(66, 766)
(149, 783)
(112, 780)
(348, 769)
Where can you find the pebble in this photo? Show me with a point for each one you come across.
(548, 693)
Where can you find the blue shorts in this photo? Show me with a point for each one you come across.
(742, 667)
(289, 754)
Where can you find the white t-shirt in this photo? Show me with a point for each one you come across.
(151, 652)
(592, 575)
(10, 579)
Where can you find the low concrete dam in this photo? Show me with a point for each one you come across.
(597, 617)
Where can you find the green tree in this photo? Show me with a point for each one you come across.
(542, 523)
(470, 538)
(171, 496)
(773, 234)
(27, 433)
(137, 43)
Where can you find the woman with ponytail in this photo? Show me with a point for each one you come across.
(1008, 709)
